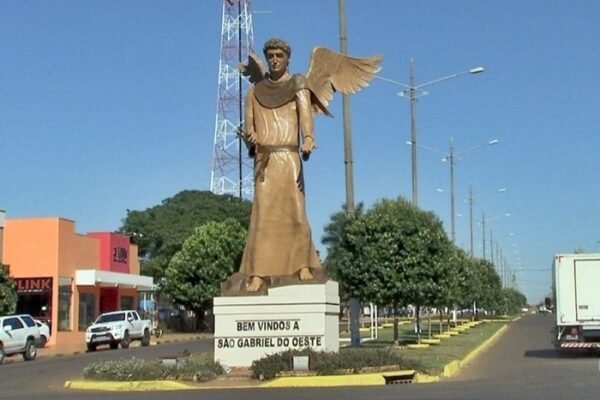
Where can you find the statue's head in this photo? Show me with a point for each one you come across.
(277, 53)
(277, 44)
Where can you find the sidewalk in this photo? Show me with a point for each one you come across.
(74, 342)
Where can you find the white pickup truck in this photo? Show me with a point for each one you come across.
(18, 335)
(118, 327)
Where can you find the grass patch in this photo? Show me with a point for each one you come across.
(433, 359)
(383, 353)
(197, 367)
(347, 361)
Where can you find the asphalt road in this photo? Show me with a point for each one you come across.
(520, 365)
(26, 380)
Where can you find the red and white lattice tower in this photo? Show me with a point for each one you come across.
(231, 166)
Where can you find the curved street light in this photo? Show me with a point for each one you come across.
(413, 91)
(452, 157)
(489, 219)
(471, 201)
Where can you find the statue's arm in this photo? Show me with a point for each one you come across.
(305, 121)
(249, 134)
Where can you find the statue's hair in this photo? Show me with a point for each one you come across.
(277, 43)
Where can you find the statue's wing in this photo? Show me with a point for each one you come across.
(254, 69)
(330, 71)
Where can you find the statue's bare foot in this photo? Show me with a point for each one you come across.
(305, 274)
(255, 284)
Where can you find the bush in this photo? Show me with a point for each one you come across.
(134, 369)
(197, 368)
(326, 363)
(201, 368)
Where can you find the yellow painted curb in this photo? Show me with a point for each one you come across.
(453, 332)
(442, 336)
(372, 379)
(128, 386)
(453, 367)
(431, 341)
(484, 345)
(417, 346)
(424, 378)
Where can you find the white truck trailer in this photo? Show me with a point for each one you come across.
(576, 283)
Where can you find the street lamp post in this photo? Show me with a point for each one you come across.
(483, 222)
(413, 131)
(471, 201)
(452, 157)
(413, 91)
(501, 259)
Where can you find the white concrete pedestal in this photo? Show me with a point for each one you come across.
(290, 317)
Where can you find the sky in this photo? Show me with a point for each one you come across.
(107, 106)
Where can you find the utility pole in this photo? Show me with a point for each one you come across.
(483, 231)
(471, 216)
(452, 206)
(413, 131)
(354, 303)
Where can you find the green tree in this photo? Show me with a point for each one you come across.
(394, 254)
(513, 301)
(460, 264)
(333, 238)
(334, 231)
(469, 287)
(427, 262)
(8, 293)
(457, 282)
(207, 258)
(488, 285)
(160, 231)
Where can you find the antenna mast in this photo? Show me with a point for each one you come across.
(232, 168)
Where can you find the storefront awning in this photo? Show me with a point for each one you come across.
(94, 277)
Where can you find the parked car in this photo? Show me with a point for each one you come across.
(118, 327)
(44, 333)
(18, 335)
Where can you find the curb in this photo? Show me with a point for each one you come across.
(370, 379)
(453, 367)
(152, 343)
(139, 386)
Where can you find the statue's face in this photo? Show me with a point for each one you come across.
(278, 62)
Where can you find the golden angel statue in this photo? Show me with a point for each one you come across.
(278, 129)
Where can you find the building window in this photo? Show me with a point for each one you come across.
(126, 303)
(64, 304)
(87, 310)
(34, 297)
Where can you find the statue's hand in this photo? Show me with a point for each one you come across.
(251, 138)
(308, 146)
